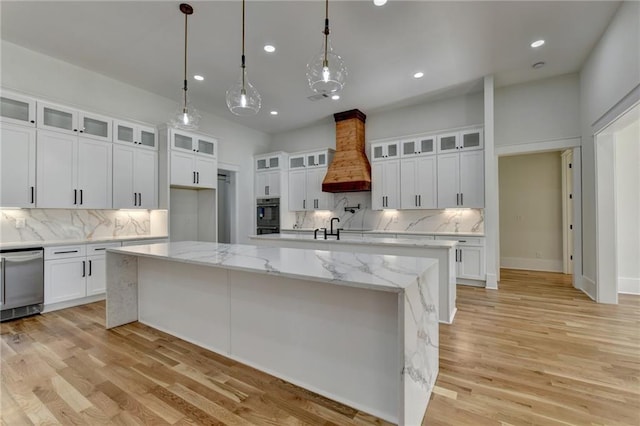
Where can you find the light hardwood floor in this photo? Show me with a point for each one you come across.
(535, 352)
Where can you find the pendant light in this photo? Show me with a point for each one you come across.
(326, 71)
(242, 98)
(186, 117)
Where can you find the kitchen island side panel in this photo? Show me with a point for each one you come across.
(122, 289)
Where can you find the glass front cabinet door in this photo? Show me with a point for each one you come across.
(17, 109)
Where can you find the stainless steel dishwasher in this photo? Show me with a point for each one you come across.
(22, 282)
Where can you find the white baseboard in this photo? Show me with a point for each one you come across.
(548, 265)
(71, 303)
(492, 282)
(629, 285)
(589, 287)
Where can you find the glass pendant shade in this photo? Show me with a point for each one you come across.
(186, 117)
(242, 98)
(326, 76)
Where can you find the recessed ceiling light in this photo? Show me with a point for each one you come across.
(274, 112)
(379, 2)
(335, 97)
(419, 74)
(269, 48)
(198, 77)
(537, 43)
(538, 65)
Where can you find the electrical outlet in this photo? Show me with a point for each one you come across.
(21, 222)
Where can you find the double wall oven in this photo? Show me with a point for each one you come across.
(268, 216)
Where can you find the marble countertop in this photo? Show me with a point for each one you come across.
(371, 271)
(48, 243)
(357, 239)
(369, 231)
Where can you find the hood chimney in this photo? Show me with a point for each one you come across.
(350, 170)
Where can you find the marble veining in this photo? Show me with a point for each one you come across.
(357, 239)
(443, 220)
(389, 273)
(78, 225)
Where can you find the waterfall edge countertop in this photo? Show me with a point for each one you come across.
(370, 271)
(357, 239)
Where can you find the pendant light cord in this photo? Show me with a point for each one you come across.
(326, 33)
(185, 62)
(243, 61)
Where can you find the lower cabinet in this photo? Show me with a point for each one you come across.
(470, 262)
(74, 272)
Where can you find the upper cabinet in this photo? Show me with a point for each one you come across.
(68, 120)
(385, 150)
(193, 160)
(419, 145)
(17, 166)
(17, 109)
(311, 159)
(465, 140)
(125, 132)
(268, 162)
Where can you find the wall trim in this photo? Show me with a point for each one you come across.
(589, 287)
(619, 109)
(547, 265)
(539, 146)
(628, 285)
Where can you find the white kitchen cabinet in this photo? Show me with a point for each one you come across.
(269, 162)
(311, 159)
(268, 184)
(17, 109)
(135, 177)
(385, 150)
(419, 183)
(317, 159)
(465, 140)
(385, 185)
(461, 180)
(127, 133)
(193, 160)
(469, 256)
(75, 272)
(17, 166)
(419, 145)
(71, 121)
(73, 172)
(305, 190)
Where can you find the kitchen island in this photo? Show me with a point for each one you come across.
(361, 329)
(441, 250)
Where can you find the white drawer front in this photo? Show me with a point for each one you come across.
(64, 252)
(100, 248)
(463, 241)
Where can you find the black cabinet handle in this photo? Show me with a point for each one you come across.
(65, 252)
(457, 199)
(198, 177)
(33, 195)
(462, 199)
(75, 130)
(75, 196)
(89, 268)
(460, 255)
(420, 200)
(304, 204)
(33, 121)
(135, 199)
(194, 177)
(266, 190)
(81, 197)
(84, 268)
(456, 255)
(140, 199)
(415, 200)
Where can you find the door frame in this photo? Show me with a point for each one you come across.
(558, 145)
(234, 169)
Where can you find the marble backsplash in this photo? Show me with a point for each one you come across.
(61, 224)
(446, 220)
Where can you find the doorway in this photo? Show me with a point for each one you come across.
(617, 151)
(227, 212)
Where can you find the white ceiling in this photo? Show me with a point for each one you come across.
(453, 43)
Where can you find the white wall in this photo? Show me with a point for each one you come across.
(611, 71)
(627, 182)
(531, 211)
(540, 110)
(432, 116)
(49, 78)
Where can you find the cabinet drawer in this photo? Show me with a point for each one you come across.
(463, 241)
(100, 248)
(64, 252)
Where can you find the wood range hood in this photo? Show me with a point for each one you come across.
(350, 170)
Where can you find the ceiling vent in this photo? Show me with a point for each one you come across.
(318, 97)
(350, 170)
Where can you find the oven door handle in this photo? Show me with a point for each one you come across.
(21, 258)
